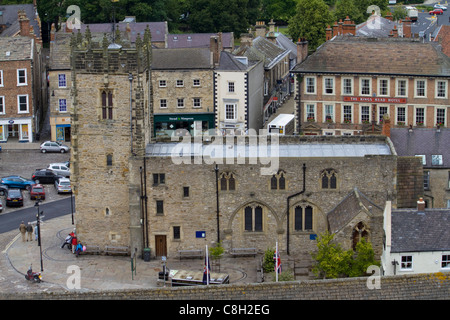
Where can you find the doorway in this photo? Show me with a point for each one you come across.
(160, 245)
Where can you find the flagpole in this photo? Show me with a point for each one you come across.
(207, 266)
(276, 262)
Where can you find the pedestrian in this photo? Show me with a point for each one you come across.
(74, 243)
(23, 230)
(79, 248)
(29, 232)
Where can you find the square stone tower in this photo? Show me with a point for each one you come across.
(110, 128)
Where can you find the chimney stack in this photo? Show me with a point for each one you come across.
(386, 129)
(24, 23)
(302, 50)
(420, 205)
(215, 43)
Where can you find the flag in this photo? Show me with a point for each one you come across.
(206, 269)
(276, 257)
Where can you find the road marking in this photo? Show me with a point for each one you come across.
(11, 243)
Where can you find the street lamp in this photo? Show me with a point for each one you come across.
(216, 169)
(38, 223)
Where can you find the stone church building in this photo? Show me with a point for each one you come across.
(190, 192)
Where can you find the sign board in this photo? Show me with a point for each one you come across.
(374, 100)
(200, 234)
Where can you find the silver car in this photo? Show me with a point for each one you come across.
(62, 185)
(60, 169)
(53, 146)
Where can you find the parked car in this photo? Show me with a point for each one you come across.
(3, 189)
(14, 198)
(62, 185)
(1, 205)
(53, 146)
(17, 182)
(45, 176)
(37, 192)
(436, 11)
(440, 6)
(60, 168)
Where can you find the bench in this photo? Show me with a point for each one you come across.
(113, 250)
(91, 249)
(242, 252)
(190, 253)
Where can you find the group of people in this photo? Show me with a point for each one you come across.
(27, 231)
(72, 240)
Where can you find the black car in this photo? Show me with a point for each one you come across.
(14, 198)
(3, 189)
(45, 176)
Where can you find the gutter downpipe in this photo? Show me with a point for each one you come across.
(287, 208)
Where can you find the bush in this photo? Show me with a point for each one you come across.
(268, 262)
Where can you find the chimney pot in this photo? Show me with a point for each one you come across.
(420, 205)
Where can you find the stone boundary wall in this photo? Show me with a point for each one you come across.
(434, 286)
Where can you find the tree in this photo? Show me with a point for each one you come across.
(331, 260)
(362, 259)
(348, 8)
(310, 22)
(277, 9)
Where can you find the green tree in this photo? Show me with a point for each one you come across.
(310, 22)
(277, 9)
(331, 260)
(399, 13)
(268, 261)
(362, 259)
(348, 8)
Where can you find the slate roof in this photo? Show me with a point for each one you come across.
(348, 208)
(443, 37)
(186, 58)
(19, 48)
(60, 52)
(198, 40)
(228, 62)
(348, 54)
(262, 50)
(423, 141)
(376, 26)
(414, 231)
(10, 18)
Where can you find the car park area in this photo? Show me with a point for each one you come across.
(25, 162)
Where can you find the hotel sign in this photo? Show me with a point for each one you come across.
(374, 100)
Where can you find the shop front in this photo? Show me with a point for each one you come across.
(168, 125)
(16, 130)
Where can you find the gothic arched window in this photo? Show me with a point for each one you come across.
(328, 179)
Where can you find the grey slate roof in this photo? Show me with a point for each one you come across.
(228, 62)
(198, 40)
(375, 26)
(182, 59)
(414, 231)
(10, 18)
(348, 208)
(19, 48)
(348, 54)
(60, 52)
(423, 141)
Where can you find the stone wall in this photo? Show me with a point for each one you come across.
(409, 287)
(409, 181)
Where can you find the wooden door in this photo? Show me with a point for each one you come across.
(161, 245)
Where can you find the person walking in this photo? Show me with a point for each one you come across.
(29, 232)
(79, 248)
(74, 243)
(23, 230)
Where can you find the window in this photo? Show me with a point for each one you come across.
(62, 80)
(424, 158)
(328, 85)
(196, 82)
(162, 83)
(436, 160)
(448, 185)
(426, 180)
(22, 103)
(227, 182)
(230, 86)
(159, 207)
(303, 217)
(159, 178)
(180, 103)
(445, 261)
(2, 105)
(421, 88)
(197, 102)
(253, 218)
(1, 78)
(107, 105)
(347, 114)
(401, 88)
(176, 233)
(180, 83)
(359, 233)
(365, 114)
(407, 263)
(383, 87)
(347, 86)
(401, 115)
(420, 116)
(21, 77)
(381, 112)
(310, 85)
(329, 113)
(278, 181)
(230, 112)
(440, 117)
(62, 105)
(109, 159)
(162, 103)
(328, 179)
(365, 86)
(441, 89)
(448, 204)
(310, 112)
(185, 192)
